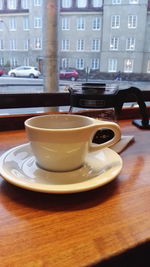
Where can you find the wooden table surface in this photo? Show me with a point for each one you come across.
(38, 229)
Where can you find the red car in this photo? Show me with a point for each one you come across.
(72, 75)
(1, 72)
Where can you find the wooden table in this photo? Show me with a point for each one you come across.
(38, 229)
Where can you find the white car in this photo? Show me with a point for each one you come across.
(24, 71)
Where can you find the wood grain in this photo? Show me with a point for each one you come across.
(78, 229)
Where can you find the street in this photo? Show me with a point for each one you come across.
(10, 85)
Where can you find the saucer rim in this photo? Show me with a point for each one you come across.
(94, 183)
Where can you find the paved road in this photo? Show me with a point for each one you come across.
(15, 85)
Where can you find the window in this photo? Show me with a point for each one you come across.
(12, 24)
(13, 62)
(12, 4)
(1, 4)
(133, 1)
(65, 45)
(37, 2)
(80, 63)
(1, 61)
(105, 36)
(81, 23)
(97, 3)
(96, 23)
(65, 63)
(112, 65)
(66, 3)
(37, 43)
(95, 64)
(148, 66)
(128, 65)
(80, 45)
(26, 45)
(65, 23)
(25, 4)
(116, 2)
(130, 43)
(1, 25)
(37, 22)
(132, 21)
(26, 23)
(96, 45)
(1, 44)
(12, 44)
(81, 3)
(115, 22)
(114, 42)
(26, 61)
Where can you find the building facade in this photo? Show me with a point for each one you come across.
(103, 36)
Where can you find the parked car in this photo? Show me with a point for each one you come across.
(1, 72)
(69, 74)
(24, 71)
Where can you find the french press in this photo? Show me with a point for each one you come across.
(101, 96)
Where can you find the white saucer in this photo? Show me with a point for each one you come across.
(18, 166)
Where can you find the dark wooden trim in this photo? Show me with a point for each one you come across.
(47, 99)
(34, 100)
(11, 122)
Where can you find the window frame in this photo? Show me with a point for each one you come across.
(36, 100)
(115, 21)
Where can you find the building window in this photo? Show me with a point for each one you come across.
(130, 43)
(133, 1)
(97, 3)
(96, 25)
(66, 3)
(65, 45)
(132, 21)
(1, 61)
(37, 43)
(26, 45)
(81, 23)
(114, 43)
(116, 2)
(26, 61)
(1, 4)
(112, 65)
(12, 44)
(95, 64)
(115, 21)
(12, 4)
(81, 3)
(80, 45)
(1, 25)
(12, 24)
(26, 23)
(1, 44)
(37, 22)
(148, 66)
(65, 23)
(13, 61)
(96, 45)
(65, 63)
(25, 4)
(37, 2)
(128, 65)
(80, 63)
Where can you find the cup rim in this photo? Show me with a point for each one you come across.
(58, 129)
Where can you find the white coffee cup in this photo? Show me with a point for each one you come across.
(60, 142)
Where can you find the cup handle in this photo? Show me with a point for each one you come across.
(108, 125)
